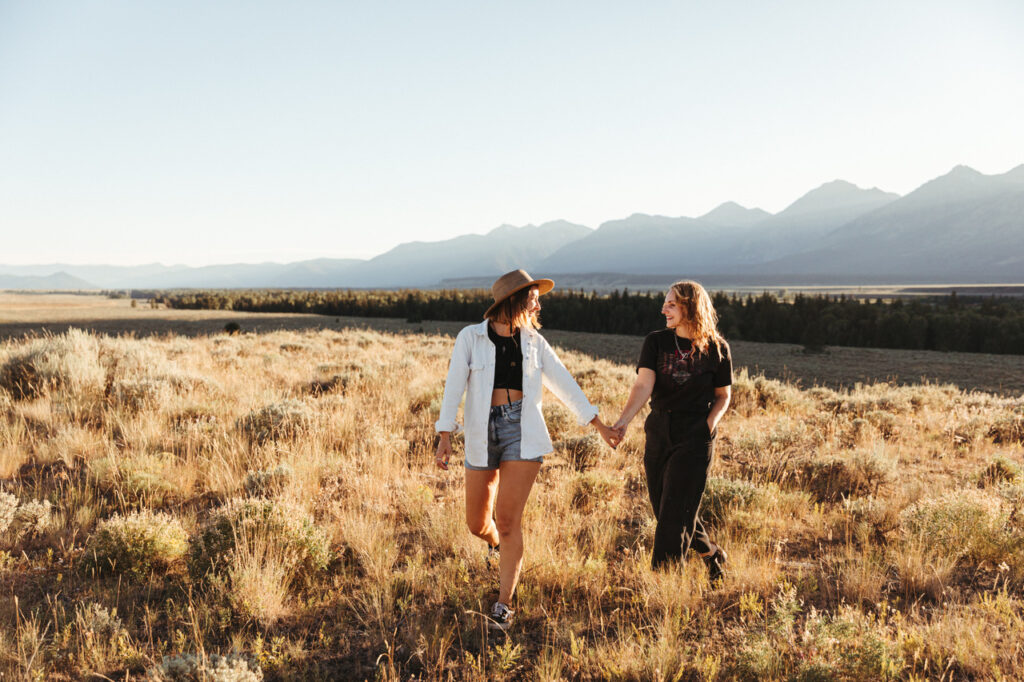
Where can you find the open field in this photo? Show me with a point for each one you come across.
(267, 504)
(839, 367)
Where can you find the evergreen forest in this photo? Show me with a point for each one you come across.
(950, 323)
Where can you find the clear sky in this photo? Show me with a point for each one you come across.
(198, 132)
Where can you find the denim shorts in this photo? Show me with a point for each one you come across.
(504, 436)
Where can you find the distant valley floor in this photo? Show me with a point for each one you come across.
(837, 367)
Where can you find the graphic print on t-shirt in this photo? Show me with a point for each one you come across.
(677, 365)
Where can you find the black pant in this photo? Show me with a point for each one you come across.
(677, 455)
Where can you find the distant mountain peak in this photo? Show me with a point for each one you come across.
(732, 214)
(962, 171)
(835, 195)
(506, 229)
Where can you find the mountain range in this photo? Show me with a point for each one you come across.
(963, 227)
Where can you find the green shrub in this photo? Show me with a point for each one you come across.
(258, 519)
(137, 544)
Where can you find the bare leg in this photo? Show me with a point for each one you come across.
(513, 489)
(480, 489)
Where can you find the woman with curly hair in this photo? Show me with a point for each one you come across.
(686, 371)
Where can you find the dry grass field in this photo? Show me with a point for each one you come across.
(839, 367)
(265, 506)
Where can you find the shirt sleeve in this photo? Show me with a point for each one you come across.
(560, 382)
(455, 384)
(723, 375)
(648, 354)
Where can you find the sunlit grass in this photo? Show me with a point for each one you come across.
(269, 501)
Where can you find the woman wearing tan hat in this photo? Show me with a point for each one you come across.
(502, 365)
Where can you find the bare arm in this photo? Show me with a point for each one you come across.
(638, 395)
(723, 394)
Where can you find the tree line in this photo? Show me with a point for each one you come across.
(952, 323)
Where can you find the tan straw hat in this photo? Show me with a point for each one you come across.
(514, 281)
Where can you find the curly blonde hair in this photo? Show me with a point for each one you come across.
(696, 305)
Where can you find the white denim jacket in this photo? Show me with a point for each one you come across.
(471, 371)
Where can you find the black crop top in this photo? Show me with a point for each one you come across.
(508, 360)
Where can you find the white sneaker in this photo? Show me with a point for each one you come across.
(501, 617)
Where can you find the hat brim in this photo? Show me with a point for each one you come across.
(544, 285)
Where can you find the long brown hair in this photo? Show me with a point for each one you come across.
(513, 312)
(696, 305)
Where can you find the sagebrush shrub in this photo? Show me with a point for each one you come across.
(67, 362)
(591, 490)
(137, 544)
(286, 419)
(8, 505)
(560, 421)
(858, 473)
(1000, 470)
(267, 482)
(289, 526)
(26, 519)
(885, 422)
(581, 452)
(215, 668)
(724, 495)
(141, 479)
(32, 518)
(1008, 428)
(963, 522)
(137, 394)
(750, 394)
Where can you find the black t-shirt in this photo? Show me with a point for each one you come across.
(684, 379)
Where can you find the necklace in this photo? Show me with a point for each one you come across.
(679, 351)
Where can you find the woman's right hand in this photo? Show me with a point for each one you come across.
(444, 450)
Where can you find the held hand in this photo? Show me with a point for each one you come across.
(444, 451)
(609, 435)
(620, 427)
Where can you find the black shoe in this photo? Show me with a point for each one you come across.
(716, 565)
